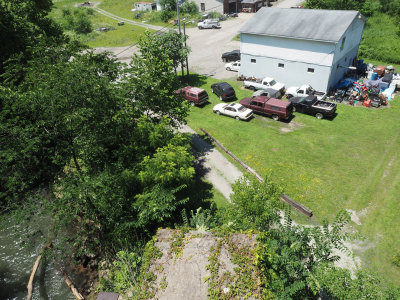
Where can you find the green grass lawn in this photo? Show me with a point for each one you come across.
(121, 35)
(350, 162)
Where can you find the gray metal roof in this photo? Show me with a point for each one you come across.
(308, 24)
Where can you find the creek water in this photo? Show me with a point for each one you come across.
(19, 247)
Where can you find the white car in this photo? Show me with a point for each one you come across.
(209, 23)
(234, 110)
(233, 66)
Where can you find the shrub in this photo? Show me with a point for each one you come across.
(396, 259)
(189, 7)
(166, 15)
(82, 23)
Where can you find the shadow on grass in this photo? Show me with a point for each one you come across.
(194, 80)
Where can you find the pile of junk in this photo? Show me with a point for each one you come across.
(368, 85)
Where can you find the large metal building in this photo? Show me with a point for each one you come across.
(300, 46)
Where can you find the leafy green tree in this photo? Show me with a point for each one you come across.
(151, 83)
(23, 24)
(173, 45)
(166, 15)
(189, 7)
(364, 6)
(254, 205)
(169, 5)
(290, 255)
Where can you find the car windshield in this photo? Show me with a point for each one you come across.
(241, 108)
(272, 82)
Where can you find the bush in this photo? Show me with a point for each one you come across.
(396, 259)
(189, 7)
(82, 24)
(166, 15)
(78, 20)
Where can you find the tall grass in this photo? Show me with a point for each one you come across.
(381, 39)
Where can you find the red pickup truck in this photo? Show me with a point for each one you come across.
(195, 95)
(275, 108)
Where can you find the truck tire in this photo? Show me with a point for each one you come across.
(289, 96)
(252, 88)
(217, 112)
(319, 116)
(213, 27)
(237, 118)
(275, 117)
(228, 69)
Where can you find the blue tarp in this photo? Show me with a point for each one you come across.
(345, 83)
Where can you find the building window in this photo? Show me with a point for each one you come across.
(281, 65)
(342, 45)
(310, 70)
(253, 60)
(203, 6)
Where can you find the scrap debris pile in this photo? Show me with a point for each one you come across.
(368, 86)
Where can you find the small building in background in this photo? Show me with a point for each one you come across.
(220, 6)
(252, 6)
(300, 46)
(141, 6)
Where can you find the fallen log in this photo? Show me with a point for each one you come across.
(34, 269)
(69, 283)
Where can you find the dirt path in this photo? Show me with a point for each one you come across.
(212, 165)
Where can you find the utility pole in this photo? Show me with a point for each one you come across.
(184, 36)
(180, 33)
(177, 13)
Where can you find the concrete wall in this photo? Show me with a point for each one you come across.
(297, 56)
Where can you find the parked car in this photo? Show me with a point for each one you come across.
(234, 110)
(268, 93)
(195, 95)
(233, 55)
(304, 91)
(275, 108)
(312, 106)
(209, 23)
(233, 66)
(267, 82)
(223, 90)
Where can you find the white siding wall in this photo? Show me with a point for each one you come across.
(143, 7)
(296, 56)
(211, 5)
(343, 57)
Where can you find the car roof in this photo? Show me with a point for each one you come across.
(235, 105)
(272, 101)
(193, 89)
(223, 84)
